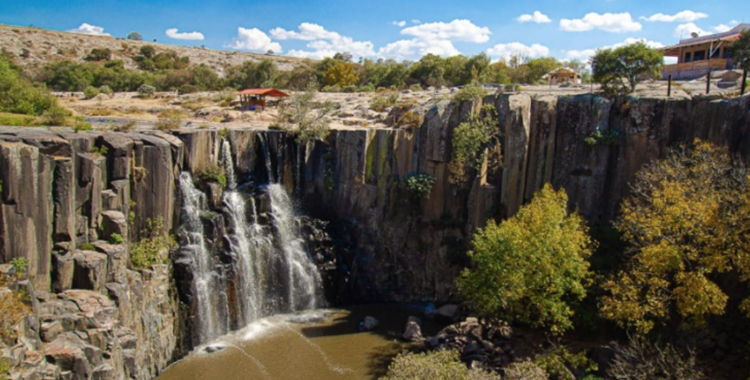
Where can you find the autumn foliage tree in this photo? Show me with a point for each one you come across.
(530, 267)
(342, 74)
(688, 223)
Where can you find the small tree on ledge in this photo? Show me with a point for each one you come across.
(627, 65)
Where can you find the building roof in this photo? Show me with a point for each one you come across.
(727, 36)
(264, 92)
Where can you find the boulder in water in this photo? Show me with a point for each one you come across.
(413, 331)
(368, 324)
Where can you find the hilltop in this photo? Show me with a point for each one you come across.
(36, 47)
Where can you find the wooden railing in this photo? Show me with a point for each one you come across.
(714, 63)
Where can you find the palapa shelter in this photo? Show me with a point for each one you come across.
(256, 97)
(563, 75)
(697, 56)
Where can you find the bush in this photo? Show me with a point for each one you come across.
(470, 92)
(381, 102)
(146, 91)
(524, 370)
(13, 309)
(214, 173)
(90, 92)
(151, 249)
(474, 142)
(419, 185)
(97, 54)
(643, 360)
(435, 365)
(169, 119)
(532, 267)
(309, 117)
(99, 150)
(116, 238)
(55, 116)
(17, 95)
(106, 90)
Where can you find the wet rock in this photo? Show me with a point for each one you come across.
(413, 330)
(369, 323)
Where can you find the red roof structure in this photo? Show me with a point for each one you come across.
(272, 92)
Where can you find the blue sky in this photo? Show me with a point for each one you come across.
(403, 29)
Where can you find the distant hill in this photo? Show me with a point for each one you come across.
(35, 47)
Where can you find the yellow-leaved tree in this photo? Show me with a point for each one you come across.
(688, 225)
(530, 267)
(341, 74)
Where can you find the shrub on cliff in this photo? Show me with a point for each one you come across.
(474, 142)
(13, 302)
(688, 223)
(305, 119)
(153, 248)
(625, 66)
(531, 267)
(435, 365)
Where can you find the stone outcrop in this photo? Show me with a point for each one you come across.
(64, 200)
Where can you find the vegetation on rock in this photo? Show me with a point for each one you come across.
(688, 223)
(532, 267)
(153, 248)
(435, 365)
(304, 118)
(419, 185)
(214, 173)
(474, 142)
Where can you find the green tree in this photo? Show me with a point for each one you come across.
(530, 267)
(134, 36)
(538, 67)
(740, 50)
(474, 142)
(688, 225)
(627, 65)
(253, 74)
(17, 95)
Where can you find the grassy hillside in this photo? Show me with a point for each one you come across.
(36, 47)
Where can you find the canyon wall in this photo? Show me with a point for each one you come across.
(94, 316)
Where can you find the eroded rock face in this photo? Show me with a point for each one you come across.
(99, 318)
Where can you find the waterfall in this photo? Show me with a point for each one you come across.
(302, 279)
(194, 246)
(275, 273)
(266, 158)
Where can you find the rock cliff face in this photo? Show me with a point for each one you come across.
(97, 317)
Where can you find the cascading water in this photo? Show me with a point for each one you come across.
(193, 245)
(276, 274)
(302, 279)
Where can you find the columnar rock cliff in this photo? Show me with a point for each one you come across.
(97, 317)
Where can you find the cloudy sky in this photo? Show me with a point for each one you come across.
(404, 29)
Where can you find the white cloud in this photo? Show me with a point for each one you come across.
(255, 40)
(417, 48)
(307, 32)
(324, 43)
(537, 17)
(685, 31)
(400, 24)
(721, 28)
(188, 36)
(89, 29)
(416, 21)
(586, 54)
(517, 48)
(608, 22)
(684, 16)
(456, 30)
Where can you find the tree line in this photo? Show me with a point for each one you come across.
(167, 71)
